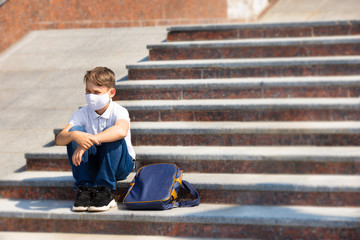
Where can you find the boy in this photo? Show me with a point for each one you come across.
(98, 143)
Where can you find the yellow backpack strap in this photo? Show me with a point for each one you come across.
(179, 180)
(173, 195)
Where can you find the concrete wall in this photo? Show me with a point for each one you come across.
(18, 17)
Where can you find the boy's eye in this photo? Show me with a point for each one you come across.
(94, 92)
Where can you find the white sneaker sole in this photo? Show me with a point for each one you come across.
(103, 208)
(80, 209)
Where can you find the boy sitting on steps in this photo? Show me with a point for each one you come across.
(98, 143)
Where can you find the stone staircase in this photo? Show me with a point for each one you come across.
(263, 119)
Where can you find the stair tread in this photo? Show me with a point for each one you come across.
(247, 62)
(240, 82)
(258, 127)
(214, 181)
(225, 104)
(346, 217)
(254, 153)
(214, 27)
(92, 236)
(258, 42)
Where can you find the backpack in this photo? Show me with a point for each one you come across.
(156, 187)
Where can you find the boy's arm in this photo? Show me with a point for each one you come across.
(84, 140)
(64, 138)
(114, 133)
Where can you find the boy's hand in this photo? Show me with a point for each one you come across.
(76, 158)
(84, 140)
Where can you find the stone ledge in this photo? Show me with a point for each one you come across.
(261, 25)
(194, 153)
(258, 42)
(279, 127)
(78, 236)
(240, 63)
(230, 182)
(334, 217)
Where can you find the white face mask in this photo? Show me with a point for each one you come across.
(97, 102)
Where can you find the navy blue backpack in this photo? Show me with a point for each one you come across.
(156, 187)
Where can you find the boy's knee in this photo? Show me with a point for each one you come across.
(116, 144)
(77, 128)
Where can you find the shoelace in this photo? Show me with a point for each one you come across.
(91, 191)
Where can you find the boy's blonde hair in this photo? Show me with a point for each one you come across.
(101, 76)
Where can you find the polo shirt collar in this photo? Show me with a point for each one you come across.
(105, 115)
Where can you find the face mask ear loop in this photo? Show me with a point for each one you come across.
(109, 95)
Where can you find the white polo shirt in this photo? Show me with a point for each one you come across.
(95, 123)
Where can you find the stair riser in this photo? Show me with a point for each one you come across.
(244, 139)
(224, 196)
(242, 33)
(177, 229)
(274, 71)
(254, 52)
(34, 164)
(222, 166)
(238, 93)
(247, 115)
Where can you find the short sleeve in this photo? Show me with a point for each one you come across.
(121, 113)
(78, 118)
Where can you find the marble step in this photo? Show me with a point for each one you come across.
(263, 30)
(239, 88)
(343, 133)
(244, 68)
(93, 236)
(293, 109)
(275, 160)
(206, 220)
(256, 48)
(248, 189)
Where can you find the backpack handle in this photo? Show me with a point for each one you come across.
(188, 187)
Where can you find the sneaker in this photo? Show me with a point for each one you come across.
(103, 200)
(83, 199)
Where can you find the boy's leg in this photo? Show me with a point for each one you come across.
(82, 173)
(116, 163)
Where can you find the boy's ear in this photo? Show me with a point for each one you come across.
(112, 92)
